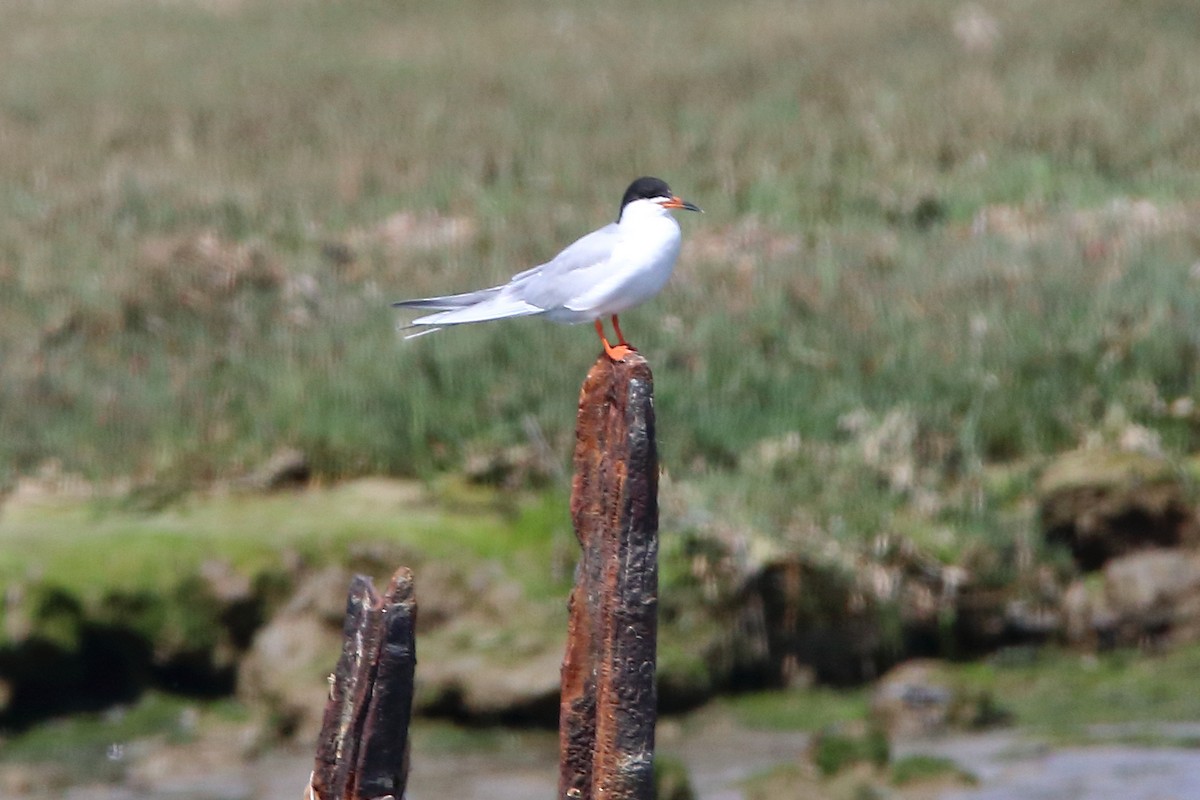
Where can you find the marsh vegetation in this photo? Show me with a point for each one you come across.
(944, 243)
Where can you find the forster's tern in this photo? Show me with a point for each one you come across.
(619, 266)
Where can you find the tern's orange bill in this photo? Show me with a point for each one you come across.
(679, 202)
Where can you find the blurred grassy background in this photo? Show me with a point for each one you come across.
(943, 242)
(942, 235)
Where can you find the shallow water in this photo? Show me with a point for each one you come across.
(1107, 772)
(719, 755)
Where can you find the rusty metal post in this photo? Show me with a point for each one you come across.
(362, 751)
(609, 697)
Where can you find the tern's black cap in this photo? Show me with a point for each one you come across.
(644, 189)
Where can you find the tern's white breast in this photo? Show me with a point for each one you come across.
(640, 264)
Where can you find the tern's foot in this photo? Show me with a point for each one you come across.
(619, 352)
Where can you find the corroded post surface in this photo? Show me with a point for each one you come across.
(609, 698)
(362, 751)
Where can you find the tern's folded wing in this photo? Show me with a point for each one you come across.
(554, 283)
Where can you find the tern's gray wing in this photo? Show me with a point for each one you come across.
(544, 288)
(553, 284)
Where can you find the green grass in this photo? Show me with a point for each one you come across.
(90, 746)
(1060, 693)
(1046, 691)
(799, 709)
(94, 547)
(193, 273)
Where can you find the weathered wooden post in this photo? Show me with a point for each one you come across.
(362, 752)
(609, 698)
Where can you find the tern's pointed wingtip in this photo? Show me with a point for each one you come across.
(412, 331)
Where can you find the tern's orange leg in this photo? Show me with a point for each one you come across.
(617, 353)
(620, 336)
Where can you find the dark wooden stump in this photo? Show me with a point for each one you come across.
(608, 708)
(362, 752)
(609, 698)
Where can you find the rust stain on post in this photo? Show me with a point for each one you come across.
(362, 751)
(609, 698)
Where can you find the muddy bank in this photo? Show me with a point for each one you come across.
(1115, 563)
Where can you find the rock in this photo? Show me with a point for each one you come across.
(740, 612)
(488, 687)
(284, 671)
(914, 699)
(497, 658)
(1153, 594)
(446, 594)
(921, 698)
(1149, 597)
(1103, 504)
(290, 658)
(1147, 583)
(1087, 619)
